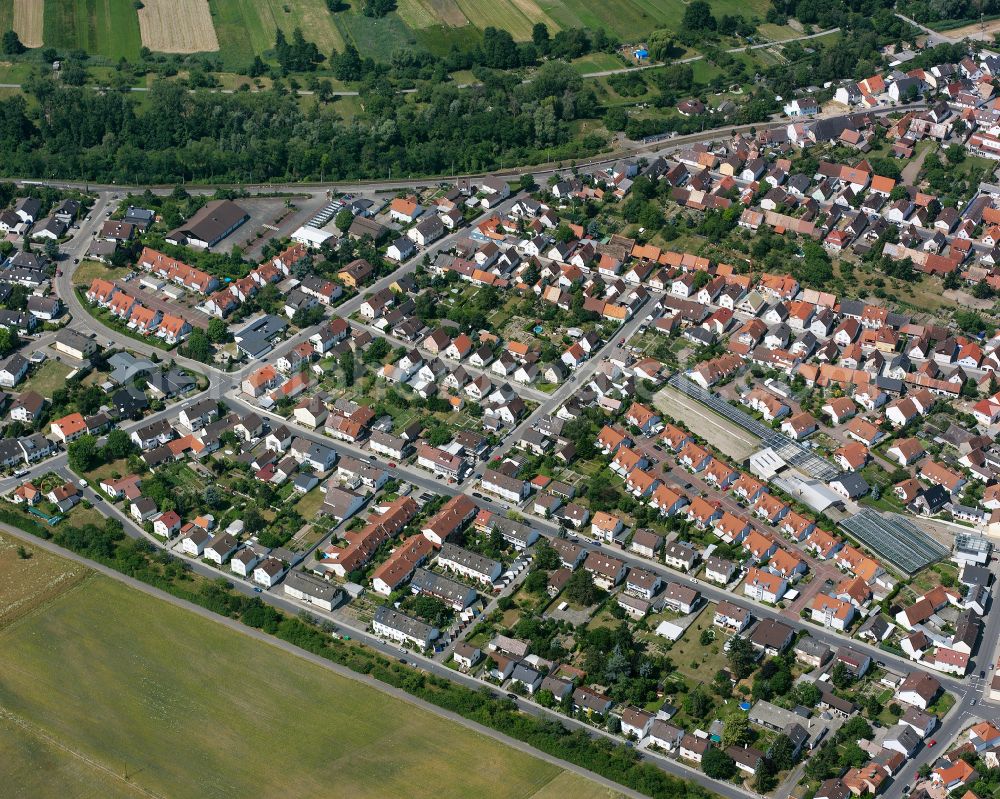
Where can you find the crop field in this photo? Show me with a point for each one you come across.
(177, 26)
(27, 22)
(248, 27)
(6, 15)
(567, 784)
(130, 685)
(34, 766)
(27, 583)
(240, 29)
(102, 27)
(632, 19)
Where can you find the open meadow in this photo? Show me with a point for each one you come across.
(138, 697)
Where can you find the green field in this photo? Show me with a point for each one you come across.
(6, 15)
(101, 27)
(107, 691)
(246, 27)
(632, 19)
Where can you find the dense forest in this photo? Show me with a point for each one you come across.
(938, 10)
(183, 136)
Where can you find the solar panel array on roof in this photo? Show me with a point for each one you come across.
(895, 539)
(792, 452)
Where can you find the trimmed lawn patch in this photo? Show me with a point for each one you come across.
(48, 377)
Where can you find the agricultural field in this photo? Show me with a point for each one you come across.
(248, 27)
(130, 685)
(101, 27)
(177, 26)
(567, 784)
(27, 21)
(632, 19)
(30, 577)
(240, 29)
(36, 766)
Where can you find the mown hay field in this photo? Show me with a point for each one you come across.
(27, 21)
(177, 26)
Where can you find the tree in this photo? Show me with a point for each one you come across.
(218, 331)
(545, 698)
(856, 728)
(118, 445)
(378, 8)
(807, 694)
(742, 657)
(697, 703)
(347, 366)
(11, 44)
(545, 556)
(853, 755)
(716, 763)
(83, 454)
(253, 522)
(839, 675)
(736, 730)
(698, 17)
(8, 341)
(198, 347)
(580, 589)
(722, 685)
(343, 219)
(540, 37)
(782, 752)
(764, 780)
(536, 582)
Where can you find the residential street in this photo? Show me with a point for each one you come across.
(972, 694)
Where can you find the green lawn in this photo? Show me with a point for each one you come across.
(103, 27)
(309, 504)
(88, 271)
(48, 377)
(596, 62)
(188, 708)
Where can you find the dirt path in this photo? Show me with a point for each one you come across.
(912, 169)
